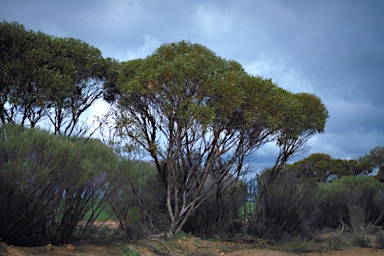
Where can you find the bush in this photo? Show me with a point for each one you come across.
(219, 215)
(139, 201)
(47, 184)
(361, 239)
(351, 202)
(288, 208)
(380, 239)
(335, 242)
(298, 245)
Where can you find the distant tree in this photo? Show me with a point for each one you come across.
(373, 163)
(324, 168)
(307, 167)
(200, 116)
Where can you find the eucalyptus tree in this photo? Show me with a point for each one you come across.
(300, 116)
(324, 168)
(373, 163)
(85, 77)
(199, 117)
(49, 77)
(15, 41)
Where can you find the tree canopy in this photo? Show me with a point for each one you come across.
(373, 163)
(324, 168)
(198, 115)
(42, 76)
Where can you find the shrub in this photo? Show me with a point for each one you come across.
(288, 208)
(361, 239)
(335, 242)
(298, 245)
(219, 214)
(139, 200)
(48, 184)
(380, 239)
(353, 202)
(128, 250)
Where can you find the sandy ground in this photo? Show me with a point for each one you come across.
(88, 250)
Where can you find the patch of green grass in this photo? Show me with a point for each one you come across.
(298, 245)
(361, 240)
(104, 213)
(335, 242)
(181, 235)
(224, 249)
(128, 251)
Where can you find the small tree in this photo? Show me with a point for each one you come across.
(139, 198)
(373, 163)
(324, 168)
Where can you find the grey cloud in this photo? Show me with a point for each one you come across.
(333, 49)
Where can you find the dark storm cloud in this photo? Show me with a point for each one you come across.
(334, 49)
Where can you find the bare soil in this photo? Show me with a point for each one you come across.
(184, 245)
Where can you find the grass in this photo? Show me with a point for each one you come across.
(380, 239)
(361, 240)
(224, 249)
(104, 213)
(298, 245)
(335, 242)
(128, 250)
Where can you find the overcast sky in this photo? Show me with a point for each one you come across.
(332, 48)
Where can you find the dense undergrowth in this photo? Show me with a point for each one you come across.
(50, 184)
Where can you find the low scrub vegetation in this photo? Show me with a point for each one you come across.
(53, 189)
(49, 183)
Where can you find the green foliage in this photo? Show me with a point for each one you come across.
(298, 245)
(359, 182)
(351, 202)
(48, 184)
(361, 240)
(139, 197)
(211, 115)
(335, 242)
(219, 214)
(380, 239)
(128, 251)
(323, 168)
(373, 163)
(45, 77)
(288, 208)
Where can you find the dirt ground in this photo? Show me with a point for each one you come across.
(92, 249)
(184, 245)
